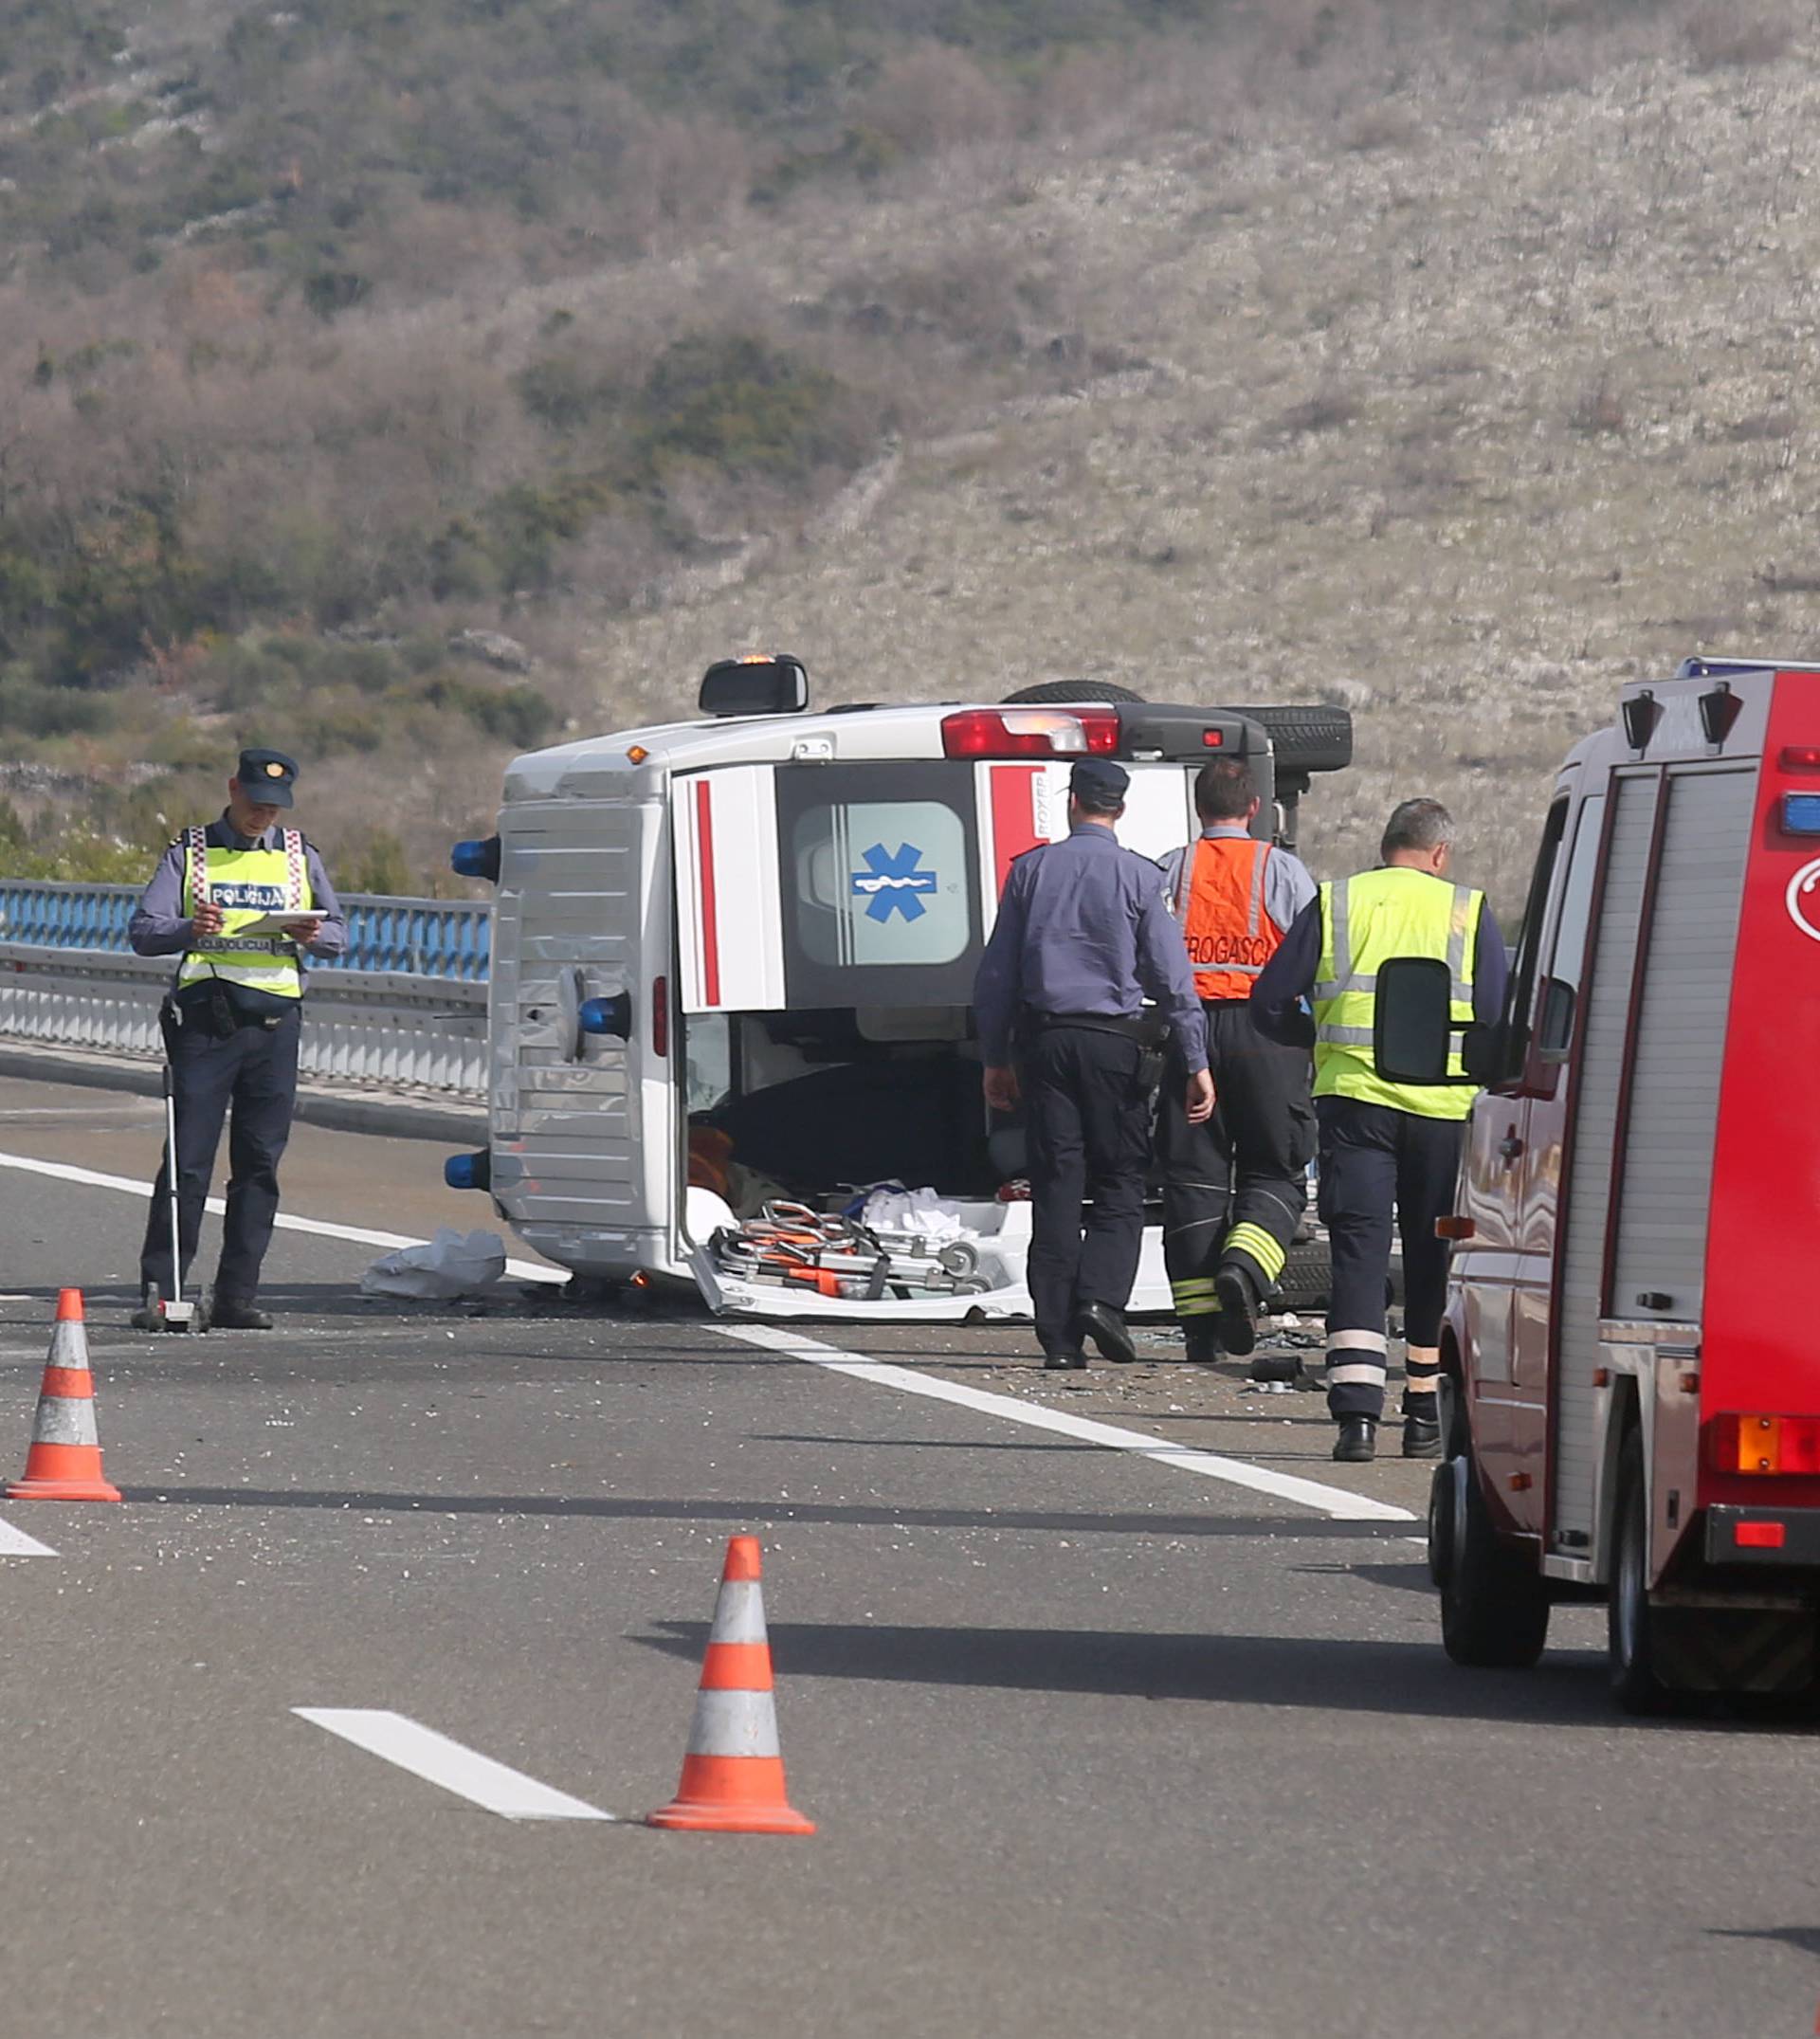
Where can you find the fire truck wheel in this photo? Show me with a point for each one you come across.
(1629, 1618)
(1494, 1606)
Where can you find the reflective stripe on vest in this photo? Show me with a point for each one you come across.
(1365, 922)
(246, 884)
(1219, 907)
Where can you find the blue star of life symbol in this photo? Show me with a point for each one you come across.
(890, 883)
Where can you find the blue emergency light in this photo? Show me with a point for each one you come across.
(469, 1170)
(606, 1015)
(476, 859)
(1801, 814)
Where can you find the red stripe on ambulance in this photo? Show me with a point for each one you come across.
(1014, 816)
(710, 912)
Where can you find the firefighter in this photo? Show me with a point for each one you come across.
(1082, 936)
(1385, 1147)
(233, 1023)
(1235, 1186)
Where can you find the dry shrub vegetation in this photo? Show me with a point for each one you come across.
(413, 388)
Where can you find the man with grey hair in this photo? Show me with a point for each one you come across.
(1390, 1151)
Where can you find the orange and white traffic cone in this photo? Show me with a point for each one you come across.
(65, 1462)
(733, 1775)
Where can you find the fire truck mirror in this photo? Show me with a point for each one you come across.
(1412, 1021)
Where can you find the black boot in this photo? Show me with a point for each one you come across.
(1356, 1443)
(236, 1313)
(1237, 1310)
(1202, 1336)
(1065, 1362)
(1421, 1427)
(1106, 1326)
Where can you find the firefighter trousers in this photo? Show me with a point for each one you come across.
(1381, 1167)
(1234, 1189)
(1087, 1116)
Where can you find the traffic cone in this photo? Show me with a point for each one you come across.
(65, 1462)
(733, 1775)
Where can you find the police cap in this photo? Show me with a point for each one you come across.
(266, 778)
(1097, 783)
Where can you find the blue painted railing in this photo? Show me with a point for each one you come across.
(419, 938)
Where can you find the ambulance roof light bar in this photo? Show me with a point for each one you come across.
(1030, 733)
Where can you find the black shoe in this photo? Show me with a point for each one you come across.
(1202, 1337)
(1106, 1326)
(150, 1314)
(1072, 1362)
(230, 1314)
(1421, 1434)
(1356, 1443)
(1238, 1310)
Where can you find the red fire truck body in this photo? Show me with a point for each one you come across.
(1632, 1387)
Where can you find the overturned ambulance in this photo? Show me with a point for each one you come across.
(733, 960)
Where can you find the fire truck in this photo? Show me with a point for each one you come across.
(741, 949)
(1632, 1396)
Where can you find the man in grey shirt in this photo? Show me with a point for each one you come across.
(1083, 936)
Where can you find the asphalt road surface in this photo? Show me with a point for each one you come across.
(1099, 1739)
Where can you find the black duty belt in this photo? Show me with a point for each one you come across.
(1141, 1027)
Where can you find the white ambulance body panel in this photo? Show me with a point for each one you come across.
(695, 870)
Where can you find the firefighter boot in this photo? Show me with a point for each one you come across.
(1238, 1308)
(1356, 1443)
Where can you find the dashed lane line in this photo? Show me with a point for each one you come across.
(15, 1544)
(457, 1768)
(522, 1270)
(1330, 1501)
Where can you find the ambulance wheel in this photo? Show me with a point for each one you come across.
(1066, 690)
(1310, 738)
(1630, 1621)
(1494, 1606)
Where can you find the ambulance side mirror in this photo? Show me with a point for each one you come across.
(1412, 1020)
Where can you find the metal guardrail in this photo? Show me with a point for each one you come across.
(441, 939)
(365, 1029)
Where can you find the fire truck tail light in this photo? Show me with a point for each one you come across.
(1765, 1445)
(1801, 758)
(1029, 732)
(1760, 1536)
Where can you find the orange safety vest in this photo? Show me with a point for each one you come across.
(1219, 905)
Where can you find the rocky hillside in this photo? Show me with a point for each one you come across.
(1442, 360)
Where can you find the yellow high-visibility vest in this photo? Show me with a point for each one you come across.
(246, 884)
(1366, 921)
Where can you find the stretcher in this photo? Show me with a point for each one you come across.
(789, 1245)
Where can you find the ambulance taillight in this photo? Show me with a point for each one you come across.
(1030, 733)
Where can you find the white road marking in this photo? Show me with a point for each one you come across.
(1330, 1500)
(15, 1544)
(435, 1757)
(522, 1270)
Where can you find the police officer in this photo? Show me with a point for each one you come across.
(1384, 1146)
(1235, 1187)
(1082, 935)
(243, 902)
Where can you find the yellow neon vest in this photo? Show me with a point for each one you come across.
(246, 884)
(1366, 921)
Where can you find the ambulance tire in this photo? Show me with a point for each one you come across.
(1311, 739)
(1629, 1618)
(1068, 690)
(1494, 1606)
(1306, 1281)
